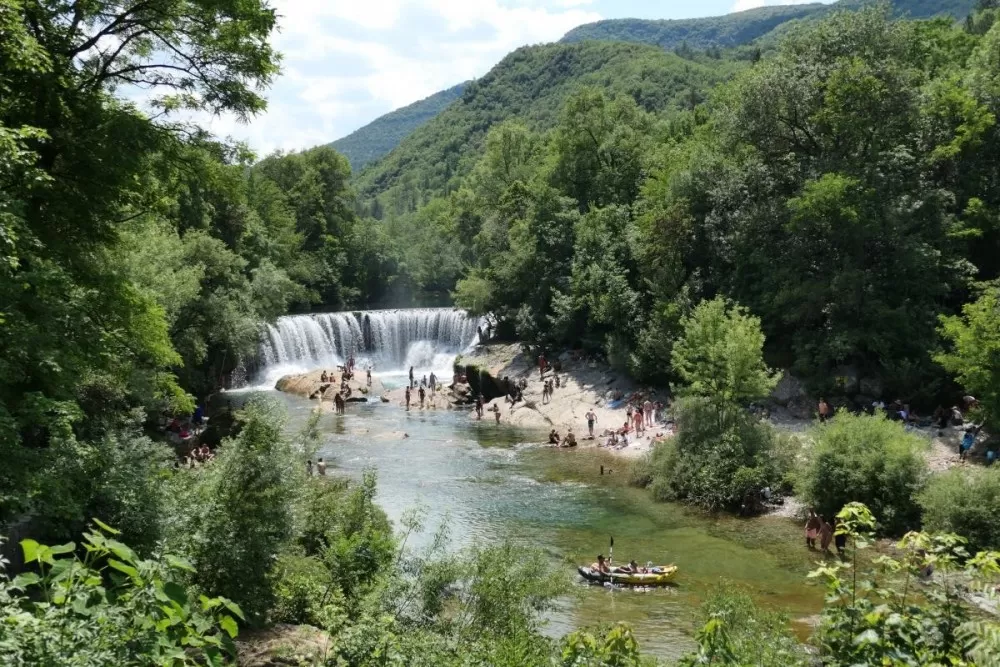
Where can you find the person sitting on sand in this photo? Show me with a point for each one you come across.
(553, 437)
(323, 377)
(570, 439)
(612, 440)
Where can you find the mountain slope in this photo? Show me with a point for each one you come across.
(744, 27)
(383, 134)
(722, 31)
(531, 84)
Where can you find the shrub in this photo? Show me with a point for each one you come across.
(721, 458)
(866, 459)
(966, 502)
(738, 632)
(233, 517)
(110, 608)
(306, 593)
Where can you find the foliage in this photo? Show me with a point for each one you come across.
(965, 502)
(721, 458)
(720, 354)
(382, 135)
(865, 459)
(738, 632)
(606, 647)
(237, 516)
(975, 355)
(874, 616)
(740, 28)
(110, 607)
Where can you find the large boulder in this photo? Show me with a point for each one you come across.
(788, 390)
(309, 385)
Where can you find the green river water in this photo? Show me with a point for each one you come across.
(489, 483)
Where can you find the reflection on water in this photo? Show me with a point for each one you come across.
(491, 483)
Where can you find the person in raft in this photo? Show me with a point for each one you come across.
(591, 420)
(631, 568)
(553, 437)
(601, 565)
(813, 525)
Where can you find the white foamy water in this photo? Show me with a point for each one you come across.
(392, 341)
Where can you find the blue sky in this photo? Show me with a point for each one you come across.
(346, 62)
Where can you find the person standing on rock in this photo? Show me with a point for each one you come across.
(411, 376)
(647, 411)
(541, 366)
(407, 398)
(496, 412)
(545, 393)
(591, 420)
(479, 406)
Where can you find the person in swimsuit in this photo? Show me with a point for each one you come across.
(591, 420)
(813, 525)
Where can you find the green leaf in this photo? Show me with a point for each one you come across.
(176, 593)
(122, 567)
(30, 548)
(105, 527)
(22, 581)
(67, 548)
(229, 625)
(179, 563)
(234, 608)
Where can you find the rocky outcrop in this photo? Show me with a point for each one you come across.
(309, 385)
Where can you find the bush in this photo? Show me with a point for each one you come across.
(110, 608)
(305, 593)
(866, 459)
(738, 632)
(721, 458)
(233, 517)
(966, 502)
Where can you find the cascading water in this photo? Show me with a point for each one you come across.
(428, 339)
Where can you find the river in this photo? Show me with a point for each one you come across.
(488, 484)
(491, 482)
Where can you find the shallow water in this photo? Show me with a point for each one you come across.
(488, 484)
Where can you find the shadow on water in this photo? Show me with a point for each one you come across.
(492, 482)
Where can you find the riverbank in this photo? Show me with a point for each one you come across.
(584, 385)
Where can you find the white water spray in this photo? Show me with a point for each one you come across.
(428, 339)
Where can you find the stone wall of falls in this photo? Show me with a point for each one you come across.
(390, 340)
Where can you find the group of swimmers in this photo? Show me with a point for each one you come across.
(320, 467)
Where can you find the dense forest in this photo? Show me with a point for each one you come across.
(835, 203)
(741, 28)
(383, 134)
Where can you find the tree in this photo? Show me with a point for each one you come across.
(865, 459)
(720, 354)
(974, 357)
(965, 502)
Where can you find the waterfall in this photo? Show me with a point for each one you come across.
(428, 339)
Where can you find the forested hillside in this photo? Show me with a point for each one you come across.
(383, 134)
(531, 84)
(744, 27)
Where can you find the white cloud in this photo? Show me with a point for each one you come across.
(347, 62)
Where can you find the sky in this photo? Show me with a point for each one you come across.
(347, 62)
